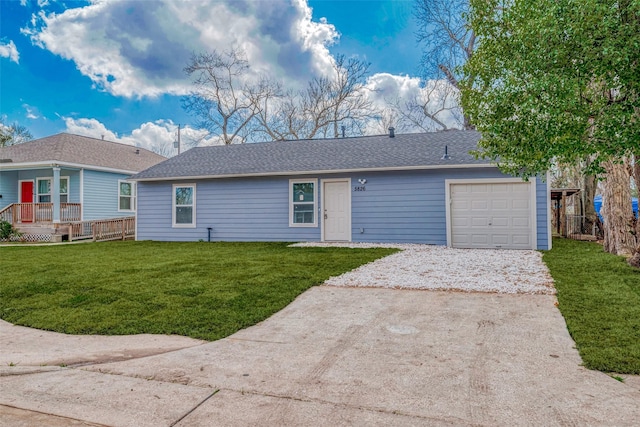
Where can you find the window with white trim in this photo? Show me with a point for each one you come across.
(184, 205)
(126, 196)
(43, 190)
(303, 203)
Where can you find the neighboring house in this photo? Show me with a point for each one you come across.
(65, 178)
(389, 188)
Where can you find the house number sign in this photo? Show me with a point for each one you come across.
(360, 188)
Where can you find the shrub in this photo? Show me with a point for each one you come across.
(7, 231)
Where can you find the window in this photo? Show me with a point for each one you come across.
(126, 196)
(184, 205)
(302, 203)
(44, 190)
(64, 190)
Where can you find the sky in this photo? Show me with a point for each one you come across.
(116, 68)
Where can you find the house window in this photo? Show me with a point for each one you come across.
(44, 190)
(64, 190)
(184, 205)
(303, 203)
(126, 196)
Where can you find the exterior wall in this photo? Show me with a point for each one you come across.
(101, 195)
(8, 188)
(542, 214)
(236, 209)
(394, 207)
(10, 181)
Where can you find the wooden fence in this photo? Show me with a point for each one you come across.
(103, 229)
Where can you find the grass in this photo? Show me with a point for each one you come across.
(201, 290)
(599, 297)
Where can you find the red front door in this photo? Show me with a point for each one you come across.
(26, 196)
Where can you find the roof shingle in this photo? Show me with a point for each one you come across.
(81, 150)
(306, 156)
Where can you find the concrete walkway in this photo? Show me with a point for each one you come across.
(335, 356)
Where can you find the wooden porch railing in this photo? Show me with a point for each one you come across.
(104, 229)
(17, 213)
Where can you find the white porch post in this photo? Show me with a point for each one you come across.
(55, 194)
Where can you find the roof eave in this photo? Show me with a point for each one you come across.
(54, 163)
(316, 172)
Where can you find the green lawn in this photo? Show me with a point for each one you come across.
(599, 297)
(201, 290)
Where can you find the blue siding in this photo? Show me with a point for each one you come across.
(542, 214)
(404, 207)
(236, 209)
(9, 183)
(8, 188)
(101, 195)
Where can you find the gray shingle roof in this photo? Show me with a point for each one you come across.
(81, 150)
(307, 156)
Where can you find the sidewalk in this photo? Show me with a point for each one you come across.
(335, 356)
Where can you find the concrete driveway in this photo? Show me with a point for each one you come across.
(336, 356)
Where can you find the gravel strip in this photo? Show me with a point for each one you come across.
(444, 268)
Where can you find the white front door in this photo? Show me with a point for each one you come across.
(336, 204)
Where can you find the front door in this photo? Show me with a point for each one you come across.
(336, 202)
(26, 196)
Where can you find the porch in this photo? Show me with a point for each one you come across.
(35, 222)
(40, 213)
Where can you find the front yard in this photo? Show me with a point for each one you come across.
(202, 290)
(599, 297)
(211, 290)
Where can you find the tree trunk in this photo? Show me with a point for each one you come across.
(589, 185)
(619, 234)
(636, 179)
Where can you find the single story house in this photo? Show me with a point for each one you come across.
(415, 188)
(64, 178)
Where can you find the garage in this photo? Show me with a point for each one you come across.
(492, 214)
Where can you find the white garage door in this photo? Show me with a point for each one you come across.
(491, 215)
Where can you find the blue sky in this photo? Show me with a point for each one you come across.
(114, 68)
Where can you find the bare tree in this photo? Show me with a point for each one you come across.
(323, 107)
(435, 108)
(448, 42)
(13, 134)
(224, 99)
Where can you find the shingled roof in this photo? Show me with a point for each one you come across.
(381, 152)
(68, 149)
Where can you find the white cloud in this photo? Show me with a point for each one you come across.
(9, 50)
(133, 49)
(400, 92)
(32, 112)
(157, 136)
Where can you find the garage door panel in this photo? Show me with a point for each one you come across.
(461, 222)
(500, 239)
(491, 215)
(479, 205)
(499, 204)
(479, 239)
(520, 204)
(479, 222)
(500, 221)
(522, 222)
(521, 239)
